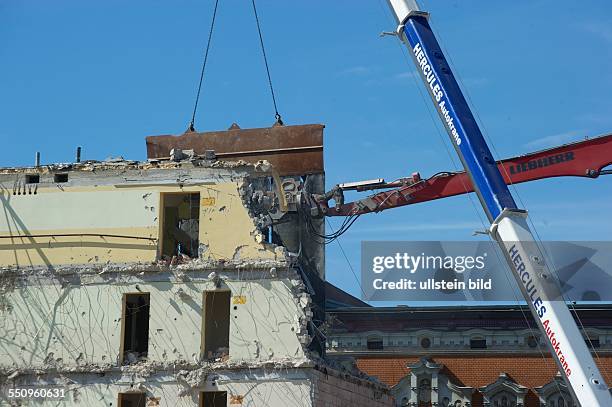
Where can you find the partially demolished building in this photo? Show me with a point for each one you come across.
(187, 279)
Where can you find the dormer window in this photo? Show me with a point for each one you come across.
(375, 343)
(593, 342)
(478, 343)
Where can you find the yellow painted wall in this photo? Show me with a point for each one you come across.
(226, 227)
(130, 212)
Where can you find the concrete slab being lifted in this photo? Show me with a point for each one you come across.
(292, 150)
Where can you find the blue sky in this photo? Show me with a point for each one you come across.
(103, 75)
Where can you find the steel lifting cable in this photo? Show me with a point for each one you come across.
(265, 58)
(197, 99)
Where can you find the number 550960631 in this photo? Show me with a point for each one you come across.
(36, 393)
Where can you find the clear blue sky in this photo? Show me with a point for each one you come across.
(106, 74)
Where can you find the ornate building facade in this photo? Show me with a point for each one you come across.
(485, 356)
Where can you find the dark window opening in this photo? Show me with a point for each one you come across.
(593, 343)
(375, 344)
(132, 399)
(32, 179)
(532, 341)
(272, 235)
(60, 178)
(180, 225)
(425, 343)
(213, 399)
(478, 343)
(216, 324)
(135, 327)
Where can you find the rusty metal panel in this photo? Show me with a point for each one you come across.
(292, 150)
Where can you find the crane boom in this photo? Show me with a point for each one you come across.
(509, 226)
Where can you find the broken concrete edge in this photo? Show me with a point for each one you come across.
(13, 279)
(354, 375)
(145, 369)
(93, 165)
(194, 375)
(195, 265)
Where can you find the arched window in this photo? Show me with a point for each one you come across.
(504, 399)
(559, 399)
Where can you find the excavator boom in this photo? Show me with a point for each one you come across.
(586, 158)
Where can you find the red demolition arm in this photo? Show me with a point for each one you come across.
(581, 159)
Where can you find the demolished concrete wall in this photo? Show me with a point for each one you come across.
(294, 152)
(64, 330)
(170, 278)
(76, 324)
